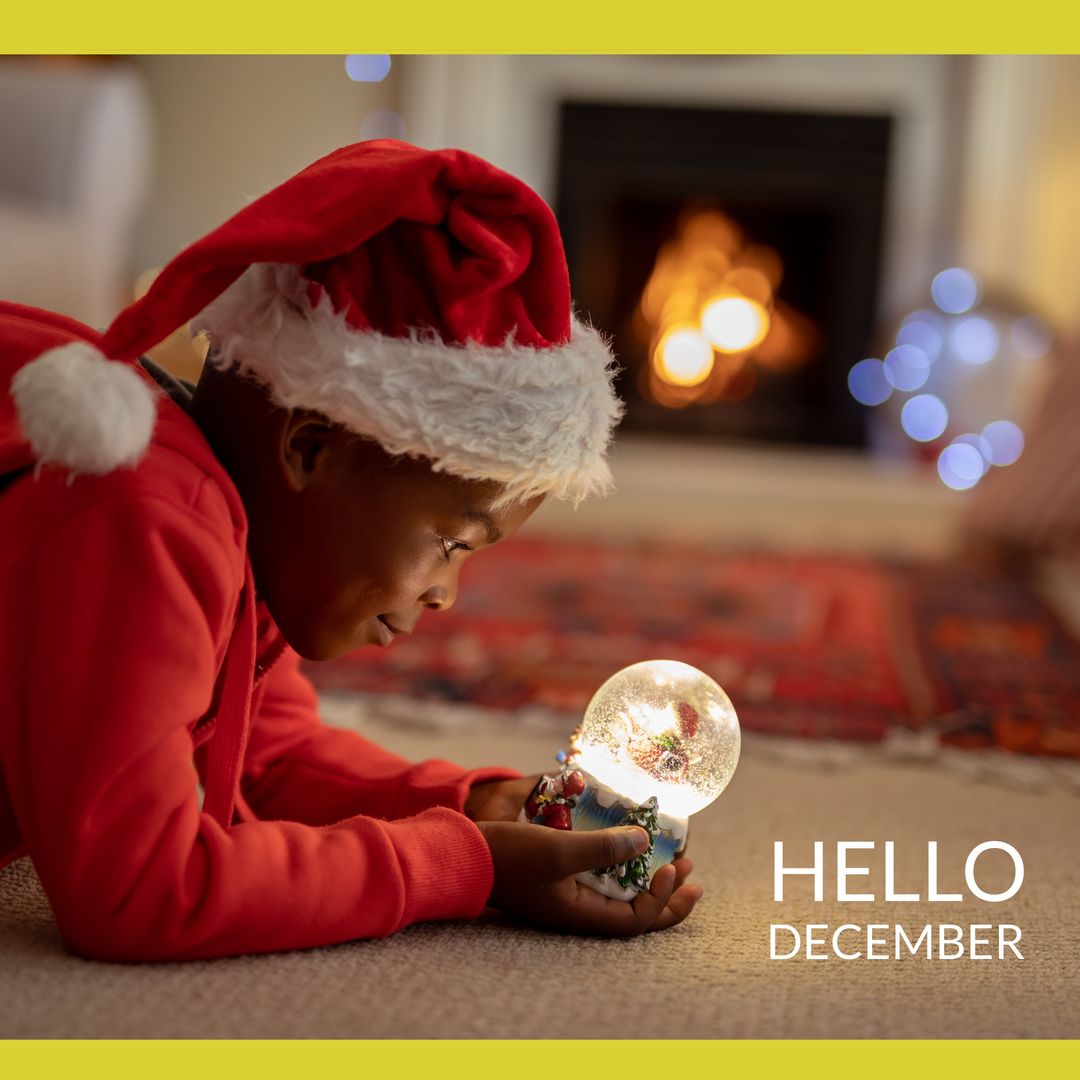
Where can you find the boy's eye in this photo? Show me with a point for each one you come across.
(450, 546)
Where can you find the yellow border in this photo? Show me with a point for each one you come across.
(505, 1059)
(556, 26)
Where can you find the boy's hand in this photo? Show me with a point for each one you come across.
(534, 879)
(499, 800)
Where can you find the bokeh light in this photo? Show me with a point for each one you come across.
(960, 466)
(953, 369)
(750, 282)
(926, 315)
(1031, 337)
(382, 124)
(734, 323)
(367, 67)
(923, 335)
(1006, 441)
(981, 444)
(955, 290)
(907, 367)
(684, 357)
(974, 339)
(867, 382)
(924, 418)
(765, 260)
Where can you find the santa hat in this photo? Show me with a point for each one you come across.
(418, 297)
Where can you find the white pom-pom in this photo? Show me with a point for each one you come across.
(81, 410)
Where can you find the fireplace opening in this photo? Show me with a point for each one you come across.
(733, 257)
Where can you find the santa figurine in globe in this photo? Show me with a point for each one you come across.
(659, 741)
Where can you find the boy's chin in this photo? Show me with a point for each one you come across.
(321, 643)
(316, 643)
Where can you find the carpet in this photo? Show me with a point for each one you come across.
(824, 647)
(711, 977)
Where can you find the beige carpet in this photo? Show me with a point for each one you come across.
(711, 977)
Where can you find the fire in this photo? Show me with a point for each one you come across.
(710, 307)
(734, 323)
(684, 357)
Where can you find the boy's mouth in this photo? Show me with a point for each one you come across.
(383, 633)
(387, 630)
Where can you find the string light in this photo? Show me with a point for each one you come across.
(867, 382)
(372, 67)
(924, 417)
(955, 290)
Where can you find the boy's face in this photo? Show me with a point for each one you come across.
(368, 544)
(349, 546)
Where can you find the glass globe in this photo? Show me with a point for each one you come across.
(661, 728)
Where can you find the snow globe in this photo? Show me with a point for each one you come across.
(659, 741)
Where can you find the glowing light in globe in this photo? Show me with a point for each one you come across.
(661, 728)
(955, 290)
(684, 357)
(1006, 441)
(867, 383)
(734, 323)
(924, 417)
(907, 367)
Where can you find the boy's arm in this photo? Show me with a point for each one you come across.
(300, 769)
(122, 615)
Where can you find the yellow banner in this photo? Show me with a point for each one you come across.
(470, 1059)
(557, 26)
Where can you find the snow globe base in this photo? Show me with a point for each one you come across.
(597, 806)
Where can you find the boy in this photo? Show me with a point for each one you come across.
(395, 381)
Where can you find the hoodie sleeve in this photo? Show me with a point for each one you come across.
(300, 769)
(123, 606)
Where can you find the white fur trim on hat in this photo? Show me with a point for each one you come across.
(82, 411)
(535, 420)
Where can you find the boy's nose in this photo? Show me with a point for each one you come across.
(439, 597)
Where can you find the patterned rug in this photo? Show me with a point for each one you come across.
(821, 647)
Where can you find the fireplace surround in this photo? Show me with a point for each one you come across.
(810, 186)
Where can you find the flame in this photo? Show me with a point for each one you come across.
(708, 308)
(734, 323)
(683, 357)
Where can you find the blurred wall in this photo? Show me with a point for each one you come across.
(506, 108)
(76, 149)
(228, 128)
(1021, 213)
(986, 172)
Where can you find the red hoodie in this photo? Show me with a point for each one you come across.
(132, 648)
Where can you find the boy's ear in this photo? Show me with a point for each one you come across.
(306, 441)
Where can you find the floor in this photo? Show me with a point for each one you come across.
(711, 977)
(815, 499)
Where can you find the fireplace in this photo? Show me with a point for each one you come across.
(783, 210)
